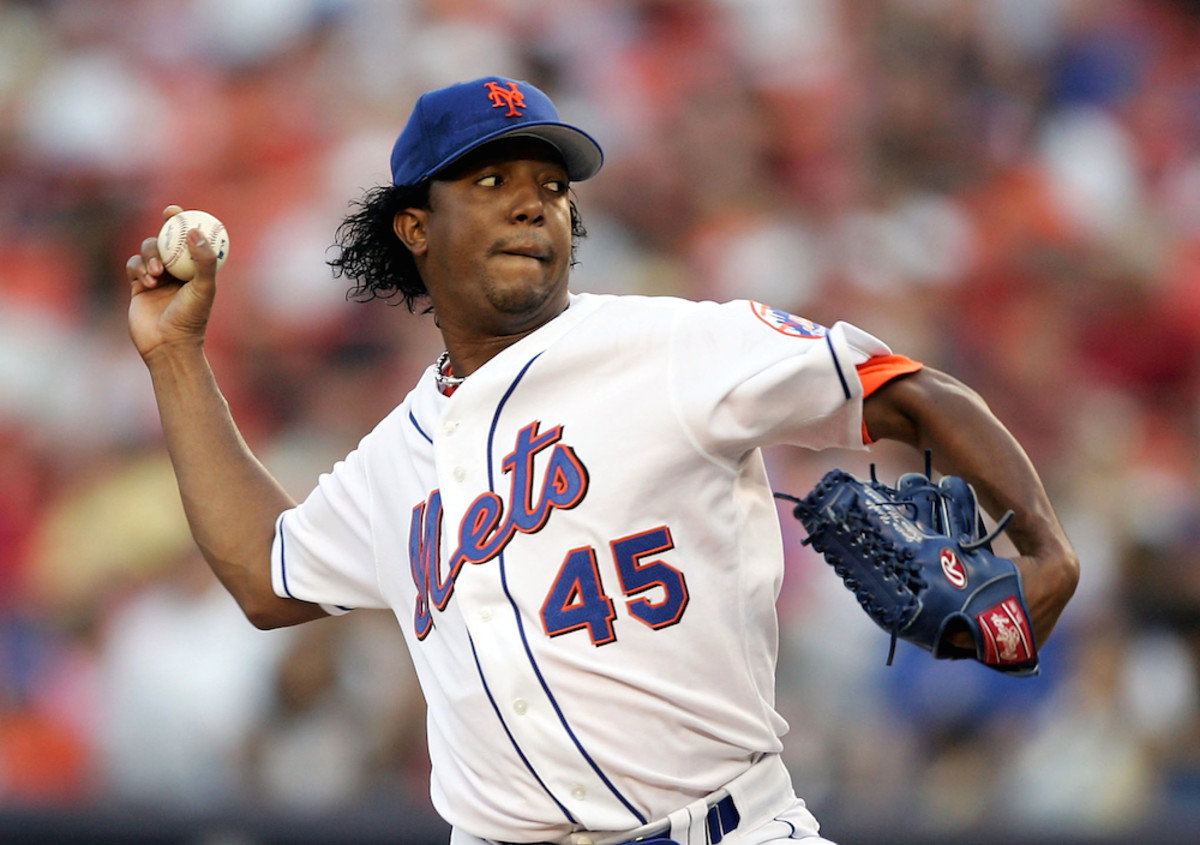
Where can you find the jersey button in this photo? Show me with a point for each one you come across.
(520, 706)
(485, 614)
(579, 793)
(460, 474)
(449, 427)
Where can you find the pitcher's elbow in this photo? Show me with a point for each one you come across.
(271, 612)
(1068, 569)
(264, 620)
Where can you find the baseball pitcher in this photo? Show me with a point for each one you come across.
(569, 513)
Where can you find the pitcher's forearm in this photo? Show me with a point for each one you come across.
(230, 499)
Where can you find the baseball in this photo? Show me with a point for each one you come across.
(172, 242)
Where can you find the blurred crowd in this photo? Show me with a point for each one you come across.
(1005, 189)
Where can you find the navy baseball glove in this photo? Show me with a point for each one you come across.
(919, 560)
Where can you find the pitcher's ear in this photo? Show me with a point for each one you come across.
(409, 226)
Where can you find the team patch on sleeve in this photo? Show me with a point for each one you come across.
(785, 323)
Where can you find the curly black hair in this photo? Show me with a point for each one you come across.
(377, 261)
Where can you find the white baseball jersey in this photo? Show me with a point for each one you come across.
(584, 554)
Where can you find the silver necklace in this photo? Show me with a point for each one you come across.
(439, 374)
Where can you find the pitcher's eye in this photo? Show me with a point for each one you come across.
(489, 181)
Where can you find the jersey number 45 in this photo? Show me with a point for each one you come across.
(577, 599)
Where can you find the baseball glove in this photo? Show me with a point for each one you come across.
(918, 558)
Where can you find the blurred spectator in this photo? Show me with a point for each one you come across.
(184, 676)
(346, 722)
(311, 755)
(44, 755)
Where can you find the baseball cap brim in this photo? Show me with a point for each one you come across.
(581, 154)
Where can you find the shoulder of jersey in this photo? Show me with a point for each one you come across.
(776, 319)
(785, 322)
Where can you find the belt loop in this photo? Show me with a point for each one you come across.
(715, 834)
(723, 817)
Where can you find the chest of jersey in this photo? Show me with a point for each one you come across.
(568, 490)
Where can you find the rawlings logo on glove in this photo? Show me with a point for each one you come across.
(919, 560)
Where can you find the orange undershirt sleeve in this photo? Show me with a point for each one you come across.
(875, 372)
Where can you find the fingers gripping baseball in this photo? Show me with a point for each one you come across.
(163, 309)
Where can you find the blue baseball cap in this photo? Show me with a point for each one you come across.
(447, 123)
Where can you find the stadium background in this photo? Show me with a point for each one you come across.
(1006, 189)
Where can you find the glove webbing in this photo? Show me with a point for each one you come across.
(894, 567)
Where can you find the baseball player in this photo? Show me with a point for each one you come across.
(569, 513)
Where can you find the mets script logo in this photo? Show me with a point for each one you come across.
(490, 523)
(510, 98)
(952, 568)
(785, 323)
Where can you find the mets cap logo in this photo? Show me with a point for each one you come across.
(785, 323)
(510, 98)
